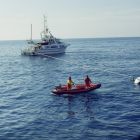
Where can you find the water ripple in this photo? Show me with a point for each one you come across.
(29, 110)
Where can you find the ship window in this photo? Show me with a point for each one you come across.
(54, 46)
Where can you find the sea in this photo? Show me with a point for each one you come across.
(29, 110)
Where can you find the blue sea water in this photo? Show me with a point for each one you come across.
(28, 110)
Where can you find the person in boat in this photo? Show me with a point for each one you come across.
(70, 83)
(88, 81)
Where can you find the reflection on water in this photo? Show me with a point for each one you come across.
(70, 112)
(85, 107)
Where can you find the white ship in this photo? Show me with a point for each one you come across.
(49, 45)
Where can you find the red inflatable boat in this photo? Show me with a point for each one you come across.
(78, 88)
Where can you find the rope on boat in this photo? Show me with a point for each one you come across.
(56, 58)
(105, 70)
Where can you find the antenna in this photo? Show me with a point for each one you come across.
(45, 25)
(31, 31)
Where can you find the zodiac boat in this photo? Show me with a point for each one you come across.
(78, 88)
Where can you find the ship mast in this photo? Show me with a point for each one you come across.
(31, 32)
(45, 25)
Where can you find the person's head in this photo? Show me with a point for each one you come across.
(87, 76)
(69, 77)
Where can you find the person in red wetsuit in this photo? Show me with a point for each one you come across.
(87, 81)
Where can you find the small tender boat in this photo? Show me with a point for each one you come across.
(78, 88)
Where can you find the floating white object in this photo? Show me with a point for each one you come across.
(137, 80)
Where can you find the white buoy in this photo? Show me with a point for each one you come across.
(137, 81)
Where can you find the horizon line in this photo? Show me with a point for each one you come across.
(76, 38)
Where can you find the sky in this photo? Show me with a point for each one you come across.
(70, 18)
